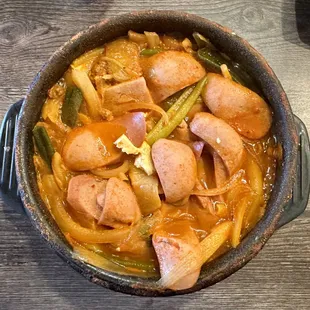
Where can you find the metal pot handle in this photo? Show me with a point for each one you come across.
(9, 188)
(300, 195)
(8, 184)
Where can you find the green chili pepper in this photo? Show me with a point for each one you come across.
(152, 135)
(213, 61)
(201, 41)
(176, 113)
(43, 144)
(150, 51)
(71, 106)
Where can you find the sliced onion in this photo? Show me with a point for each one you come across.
(136, 37)
(110, 173)
(152, 38)
(125, 107)
(230, 184)
(238, 220)
(225, 72)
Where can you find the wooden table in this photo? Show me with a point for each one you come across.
(33, 277)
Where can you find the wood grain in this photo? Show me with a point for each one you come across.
(33, 277)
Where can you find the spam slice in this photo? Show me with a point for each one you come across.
(176, 167)
(240, 107)
(221, 137)
(133, 91)
(170, 71)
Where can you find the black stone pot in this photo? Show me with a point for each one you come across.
(22, 116)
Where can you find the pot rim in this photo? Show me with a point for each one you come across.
(225, 265)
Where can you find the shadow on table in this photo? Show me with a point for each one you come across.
(296, 28)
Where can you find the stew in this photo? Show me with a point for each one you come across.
(154, 154)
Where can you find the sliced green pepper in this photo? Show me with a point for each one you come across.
(154, 133)
(150, 51)
(176, 113)
(71, 106)
(213, 61)
(201, 41)
(43, 144)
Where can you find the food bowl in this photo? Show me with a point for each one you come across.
(18, 179)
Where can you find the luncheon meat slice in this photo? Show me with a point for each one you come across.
(82, 194)
(133, 91)
(176, 167)
(170, 71)
(119, 204)
(240, 107)
(221, 137)
(92, 146)
(135, 126)
(170, 250)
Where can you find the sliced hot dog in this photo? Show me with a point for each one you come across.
(135, 126)
(170, 250)
(240, 107)
(119, 204)
(82, 194)
(91, 146)
(170, 71)
(221, 137)
(176, 167)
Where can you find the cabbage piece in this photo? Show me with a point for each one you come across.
(143, 160)
(145, 188)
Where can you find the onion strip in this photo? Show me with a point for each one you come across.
(238, 220)
(82, 81)
(230, 184)
(93, 258)
(68, 225)
(52, 196)
(110, 173)
(125, 107)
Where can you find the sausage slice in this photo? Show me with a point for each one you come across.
(82, 194)
(170, 71)
(221, 137)
(119, 204)
(240, 107)
(176, 167)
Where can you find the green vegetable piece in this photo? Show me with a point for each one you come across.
(150, 51)
(43, 144)
(71, 106)
(170, 101)
(148, 267)
(213, 61)
(176, 113)
(152, 135)
(201, 41)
